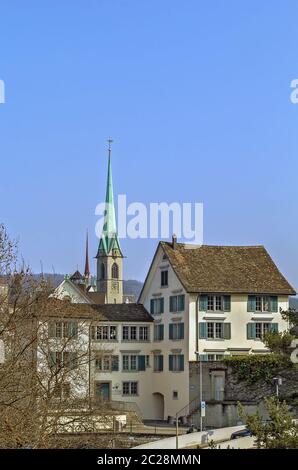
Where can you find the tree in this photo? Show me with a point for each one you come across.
(44, 387)
(279, 432)
(291, 316)
(278, 343)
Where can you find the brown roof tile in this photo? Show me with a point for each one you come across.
(230, 269)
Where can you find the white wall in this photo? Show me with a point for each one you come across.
(167, 381)
(144, 400)
(238, 317)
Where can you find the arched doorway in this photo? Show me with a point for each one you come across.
(159, 405)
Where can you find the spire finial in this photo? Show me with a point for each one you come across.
(110, 141)
(87, 270)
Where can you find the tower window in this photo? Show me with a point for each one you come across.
(102, 271)
(115, 271)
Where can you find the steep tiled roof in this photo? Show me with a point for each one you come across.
(123, 312)
(106, 312)
(230, 269)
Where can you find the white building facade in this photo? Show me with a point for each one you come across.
(208, 302)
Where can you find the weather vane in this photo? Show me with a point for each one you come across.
(110, 141)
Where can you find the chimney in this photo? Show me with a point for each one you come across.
(174, 242)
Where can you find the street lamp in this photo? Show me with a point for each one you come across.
(201, 391)
(277, 381)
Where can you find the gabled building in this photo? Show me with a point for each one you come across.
(208, 302)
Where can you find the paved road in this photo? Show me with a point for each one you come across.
(192, 440)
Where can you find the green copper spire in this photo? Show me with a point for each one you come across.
(109, 238)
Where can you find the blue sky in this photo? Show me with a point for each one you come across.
(196, 95)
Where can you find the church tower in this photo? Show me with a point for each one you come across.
(109, 256)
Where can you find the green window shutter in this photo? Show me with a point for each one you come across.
(141, 363)
(273, 327)
(73, 360)
(152, 306)
(115, 363)
(251, 303)
(171, 360)
(181, 330)
(73, 328)
(273, 303)
(51, 329)
(171, 331)
(203, 303)
(161, 331)
(227, 303)
(160, 363)
(161, 303)
(93, 332)
(203, 330)
(171, 303)
(52, 358)
(181, 362)
(181, 302)
(251, 331)
(227, 330)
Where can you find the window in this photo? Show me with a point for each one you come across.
(133, 362)
(215, 330)
(176, 362)
(158, 332)
(115, 271)
(62, 390)
(143, 333)
(147, 361)
(215, 357)
(218, 330)
(261, 329)
(102, 271)
(176, 331)
(218, 302)
(258, 329)
(175, 395)
(129, 362)
(158, 363)
(125, 333)
(164, 278)
(104, 333)
(156, 306)
(215, 303)
(177, 303)
(67, 329)
(133, 333)
(210, 302)
(130, 388)
(63, 359)
(107, 363)
(113, 333)
(262, 303)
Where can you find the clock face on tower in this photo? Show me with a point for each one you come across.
(115, 286)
